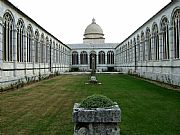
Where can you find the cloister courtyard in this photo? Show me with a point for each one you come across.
(46, 107)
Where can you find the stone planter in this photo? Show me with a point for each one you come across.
(98, 121)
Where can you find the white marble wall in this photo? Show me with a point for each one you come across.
(11, 71)
(166, 70)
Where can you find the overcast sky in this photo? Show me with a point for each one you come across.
(67, 19)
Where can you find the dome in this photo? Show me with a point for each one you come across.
(93, 28)
(93, 34)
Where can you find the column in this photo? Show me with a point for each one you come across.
(141, 56)
(39, 43)
(106, 58)
(88, 54)
(152, 52)
(161, 50)
(171, 48)
(78, 58)
(25, 53)
(51, 56)
(153, 47)
(97, 60)
(146, 49)
(15, 51)
(160, 46)
(1, 51)
(61, 59)
(33, 53)
(171, 42)
(135, 56)
(44, 59)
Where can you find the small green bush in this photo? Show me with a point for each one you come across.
(96, 101)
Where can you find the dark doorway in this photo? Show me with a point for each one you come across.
(93, 54)
(110, 69)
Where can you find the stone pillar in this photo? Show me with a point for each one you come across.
(25, 53)
(50, 55)
(135, 56)
(64, 60)
(146, 49)
(106, 58)
(61, 60)
(171, 48)
(161, 49)
(171, 43)
(78, 58)
(15, 51)
(161, 46)
(1, 44)
(39, 55)
(141, 57)
(33, 53)
(44, 56)
(152, 48)
(152, 54)
(88, 55)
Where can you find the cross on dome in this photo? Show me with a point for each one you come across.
(93, 20)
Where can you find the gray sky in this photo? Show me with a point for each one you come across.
(67, 19)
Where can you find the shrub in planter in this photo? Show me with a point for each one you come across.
(96, 101)
(96, 114)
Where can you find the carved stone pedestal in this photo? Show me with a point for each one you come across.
(98, 121)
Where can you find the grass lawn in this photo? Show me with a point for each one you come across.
(46, 107)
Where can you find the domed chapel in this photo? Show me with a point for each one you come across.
(93, 45)
(29, 50)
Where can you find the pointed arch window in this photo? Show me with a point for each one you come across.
(135, 50)
(101, 56)
(29, 44)
(75, 58)
(47, 50)
(54, 52)
(42, 49)
(36, 42)
(165, 37)
(8, 37)
(148, 41)
(156, 41)
(84, 57)
(128, 52)
(138, 49)
(176, 26)
(57, 53)
(143, 46)
(131, 51)
(20, 40)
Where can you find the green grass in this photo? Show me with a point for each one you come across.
(46, 107)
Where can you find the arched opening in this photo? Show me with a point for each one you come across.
(8, 37)
(110, 57)
(101, 57)
(176, 26)
(75, 58)
(165, 37)
(84, 58)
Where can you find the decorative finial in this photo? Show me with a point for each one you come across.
(93, 20)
